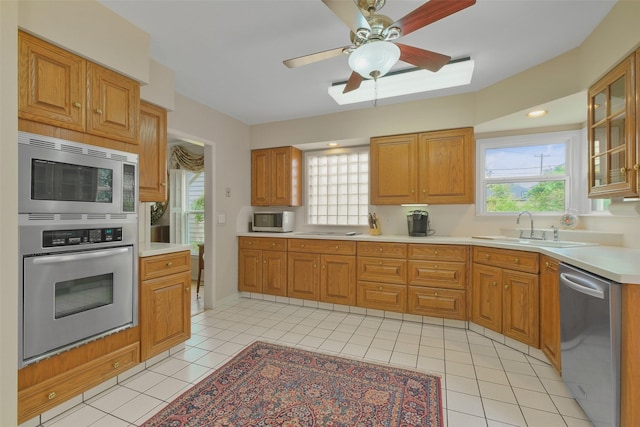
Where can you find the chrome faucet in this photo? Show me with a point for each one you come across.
(555, 233)
(530, 218)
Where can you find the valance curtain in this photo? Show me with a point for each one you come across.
(181, 158)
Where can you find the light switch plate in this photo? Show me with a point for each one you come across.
(222, 218)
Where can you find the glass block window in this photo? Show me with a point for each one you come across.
(337, 183)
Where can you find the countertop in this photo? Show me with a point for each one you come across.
(155, 248)
(611, 262)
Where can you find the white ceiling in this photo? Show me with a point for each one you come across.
(228, 54)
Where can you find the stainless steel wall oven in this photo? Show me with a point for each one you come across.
(78, 245)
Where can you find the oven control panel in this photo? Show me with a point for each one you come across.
(56, 238)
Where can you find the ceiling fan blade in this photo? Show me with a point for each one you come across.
(349, 13)
(426, 59)
(314, 57)
(353, 83)
(429, 13)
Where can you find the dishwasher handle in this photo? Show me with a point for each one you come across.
(582, 285)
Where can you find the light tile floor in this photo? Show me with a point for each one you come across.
(484, 382)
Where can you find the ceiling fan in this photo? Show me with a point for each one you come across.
(372, 52)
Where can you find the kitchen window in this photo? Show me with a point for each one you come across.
(543, 172)
(337, 183)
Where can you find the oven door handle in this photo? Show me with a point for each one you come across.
(54, 259)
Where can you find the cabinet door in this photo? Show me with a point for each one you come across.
(393, 169)
(338, 279)
(260, 177)
(51, 85)
(165, 311)
(152, 162)
(274, 273)
(286, 169)
(250, 270)
(114, 103)
(446, 166)
(486, 297)
(612, 133)
(520, 307)
(303, 276)
(550, 311)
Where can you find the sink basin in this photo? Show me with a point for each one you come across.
(533, 242)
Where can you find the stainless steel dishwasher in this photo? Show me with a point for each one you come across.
(590, 343)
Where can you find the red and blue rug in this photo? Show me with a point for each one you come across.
(272, 385)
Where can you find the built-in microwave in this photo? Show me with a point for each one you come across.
(59, 176)
(275, 222)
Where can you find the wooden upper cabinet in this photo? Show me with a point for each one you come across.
(431, 167)
(276, 177)
(51, 84)
(446, 167)
(152, 152)
(393, 169)
(64, 90)
(114, 103)
(613, 165)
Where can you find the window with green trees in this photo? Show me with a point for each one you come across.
(529, 172)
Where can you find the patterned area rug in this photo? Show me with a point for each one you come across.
(272, 385)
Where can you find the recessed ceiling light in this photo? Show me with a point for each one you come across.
(455, 73)
(536, 113)
(333, 144)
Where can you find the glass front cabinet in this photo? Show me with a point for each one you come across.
(613, 165)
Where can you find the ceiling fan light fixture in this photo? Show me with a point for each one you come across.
(374, 59)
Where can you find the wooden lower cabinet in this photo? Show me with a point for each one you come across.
(382, 276)
(262, 265)
(165, 302)
(44, 395)
(438, 281)
(505, 300)
(550, 311)
(322, 270)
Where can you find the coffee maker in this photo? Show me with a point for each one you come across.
(418, 223)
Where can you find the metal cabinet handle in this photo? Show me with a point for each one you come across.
(435, 294)
(169, 264)
(435, 266)
(186, 290)
(487, 256)
(164, 184)
(116, 365)
(315, 265)
(517, 260)
(98, 111)
(380, 249)
(506, 286)
(636, 167)
(77, 104)
(493, 283)
(51, 395)
(435, 252)
(302, 245)
(379, 288)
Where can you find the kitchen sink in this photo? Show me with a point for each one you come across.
(534, 242)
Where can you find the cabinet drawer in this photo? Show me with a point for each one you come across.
(506, 258)
(438, 252)
(52, 392)
(382, 297)
(163, 265)
(387, 250)
(264, 243)
(383, 270)
(338, 247)
(446, 303)
(438, 274)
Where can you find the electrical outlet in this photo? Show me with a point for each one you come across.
(227, 192)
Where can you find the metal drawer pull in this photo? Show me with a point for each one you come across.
(517, 261)
(169, 264)
(98, 111)
(435, 252)
(435, 294)
(186, 290)
(116, 365)
(379, 288)
(77, 104)
(52, 395)
(506, 286)
(493, 283)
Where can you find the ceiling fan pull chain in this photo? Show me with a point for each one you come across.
(375, 91)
